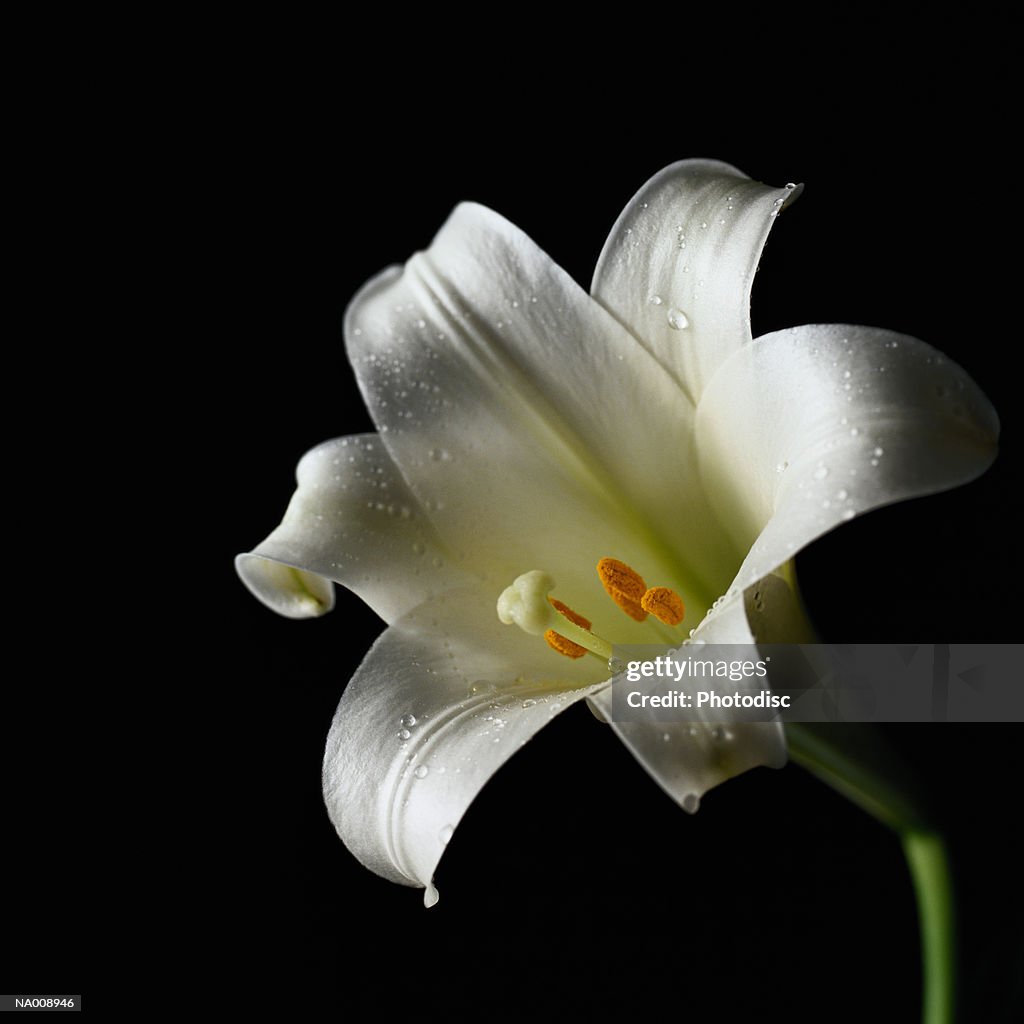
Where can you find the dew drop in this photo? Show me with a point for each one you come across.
(529, 702)
(879, 452)
(677, 319)
(404, 734)
(843, 494)
(615, 665)
(656, 300)
(422, 772)
(408, 721)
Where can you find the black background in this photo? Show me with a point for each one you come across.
(297, 167)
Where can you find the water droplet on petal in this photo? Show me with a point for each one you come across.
(821, 472)
(408, 721)
(677, 319)
(655, 300)
(404, 734)
(422, 772)
(879, 452)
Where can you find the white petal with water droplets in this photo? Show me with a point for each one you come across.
(678, 266)
(808, 427)
(352, 520)
(688, 758)
(508, 397)
(469, 692)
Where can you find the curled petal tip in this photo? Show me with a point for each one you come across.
(291, 592)
(430, 895)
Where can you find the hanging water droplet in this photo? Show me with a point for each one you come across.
(677, 319)
(691, 802)
(422, 772)
(446, 834)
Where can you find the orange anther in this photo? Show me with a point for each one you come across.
(558, 642)
(663, 604)
(625, 586)
(572, 616)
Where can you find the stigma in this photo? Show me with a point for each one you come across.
(527, 604)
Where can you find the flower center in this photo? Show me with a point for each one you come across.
(527, 604)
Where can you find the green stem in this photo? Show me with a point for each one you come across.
(831, 753)
(929, 867)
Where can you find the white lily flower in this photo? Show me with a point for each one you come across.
(525, 426)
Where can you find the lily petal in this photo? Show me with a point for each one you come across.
(507, 395)
(352, 520)
(679, 264)
(808, 427)
(442, 700)
(685, 758)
